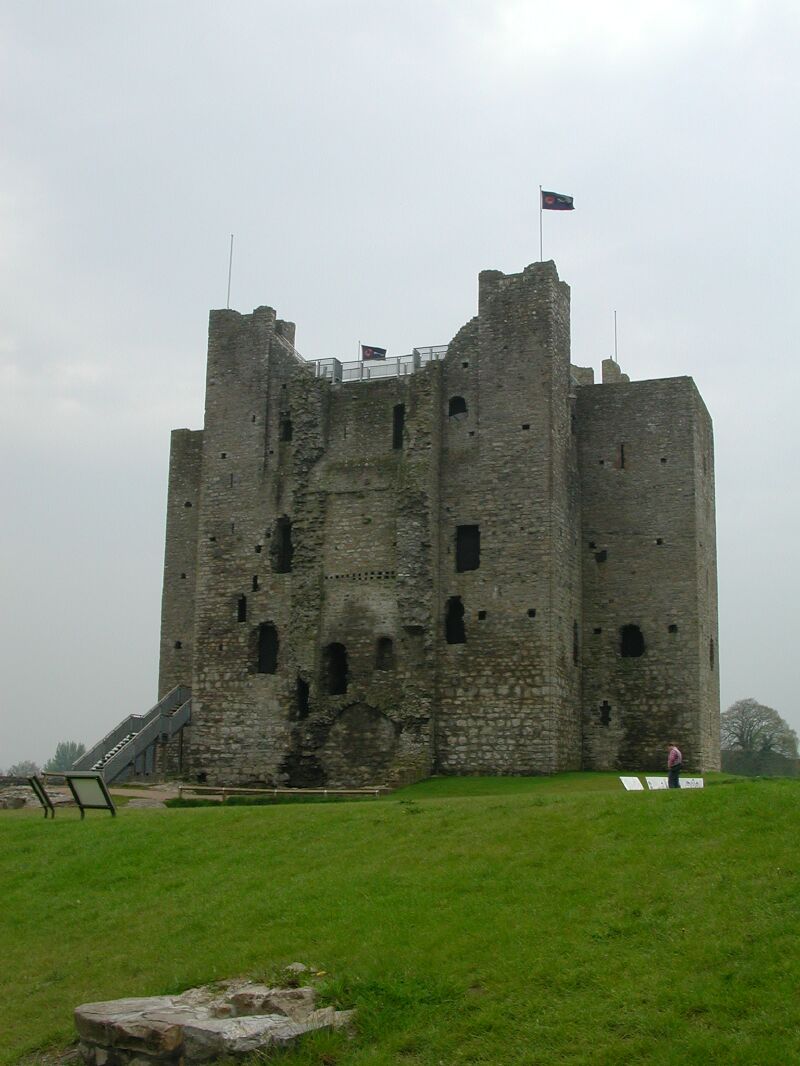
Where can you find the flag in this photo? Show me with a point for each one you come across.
(368, 352)
(556, 201)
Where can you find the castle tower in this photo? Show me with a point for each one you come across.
(372, 574)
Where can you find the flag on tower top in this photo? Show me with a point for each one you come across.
(368, 352)
(556, 201)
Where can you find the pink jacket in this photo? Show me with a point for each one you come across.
(675, 757)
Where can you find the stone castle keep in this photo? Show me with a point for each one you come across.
(471, 560)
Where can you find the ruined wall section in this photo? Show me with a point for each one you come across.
(642, 569)
(373, 503)
(708, 630)
(180, 560)
(240, 726)
(509, 693)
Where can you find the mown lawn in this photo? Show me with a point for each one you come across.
(484, 921)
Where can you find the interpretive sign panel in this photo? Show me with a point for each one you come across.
(654, 783)
(89, 792)
(691, 782)
(632, 784)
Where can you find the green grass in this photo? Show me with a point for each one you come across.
(495, 921)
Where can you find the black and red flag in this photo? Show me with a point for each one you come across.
(556, 201)
(369, 352)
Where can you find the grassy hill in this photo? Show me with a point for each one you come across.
(512, 921)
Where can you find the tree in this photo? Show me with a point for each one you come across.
(749, 726)
(25, 768)
(66, 754)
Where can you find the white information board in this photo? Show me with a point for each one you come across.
(654, 783)
(632, 784)
(691, 782)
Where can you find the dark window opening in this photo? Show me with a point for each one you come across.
(468, 548)
(202, 777)
(255, 582)
(281, 549)
(286, 429)
(621, 457)
(592, 544)
(464, 366)
(659, 540)
(454, 621)
(711, 653)
(384, 654)
(605, 712)
(531, 612)
(663, 462)
(178, 644)
(631, 642)
(188, 503)
(252, 418)
(336, 669)
(526, 425)
(672, 628)
(223, 455)
(456, 406)
(575, 644)
(302, 694)
(481, 615)
(267, 648)
(602, 462)
(472, 433)
(258, 549)
(398, 425)
(597, 631)
(183, 577)
(601, 556)
(241, 609)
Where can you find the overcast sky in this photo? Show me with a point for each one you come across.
(371, 158)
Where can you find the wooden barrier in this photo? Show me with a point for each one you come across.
(223, 792)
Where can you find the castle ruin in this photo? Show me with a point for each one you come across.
(470, 560)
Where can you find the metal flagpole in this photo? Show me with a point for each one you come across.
(615, 338)
(541, 255)
(230, 269)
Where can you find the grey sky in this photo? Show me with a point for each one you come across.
(371, 158)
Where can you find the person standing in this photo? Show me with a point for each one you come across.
(674, 764)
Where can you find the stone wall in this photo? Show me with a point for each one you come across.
(647, 550)
(326, 628)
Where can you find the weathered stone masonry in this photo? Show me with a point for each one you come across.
(491, 565)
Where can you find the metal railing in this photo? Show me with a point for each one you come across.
(340, 372)
(134, 734)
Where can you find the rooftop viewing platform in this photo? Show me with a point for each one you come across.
(341, 373)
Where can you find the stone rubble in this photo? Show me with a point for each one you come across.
(234, 1018)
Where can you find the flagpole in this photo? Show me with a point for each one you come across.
(615, 338)
(541, 254)
(230, 269)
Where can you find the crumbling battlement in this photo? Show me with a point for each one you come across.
(488, 565)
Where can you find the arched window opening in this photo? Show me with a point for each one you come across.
(575, 644)
(267, 648)
(384, 654)
(336, 669)
(285, 429)
(711, 653)
(282, 549)
(454, 621)
(457, 407)
(302, 694)
(631, 642)
(241, 609)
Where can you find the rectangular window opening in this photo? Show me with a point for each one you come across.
(398, 425)
(468, 548)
